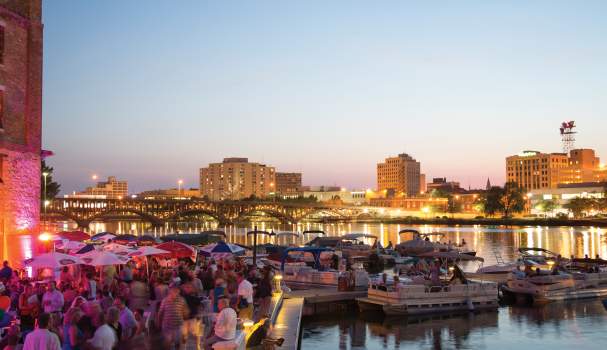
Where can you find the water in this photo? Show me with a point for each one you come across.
(581, 324)
(578, 325)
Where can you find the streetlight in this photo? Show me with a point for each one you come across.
(45, 174)
(94, 177)
(179, 183)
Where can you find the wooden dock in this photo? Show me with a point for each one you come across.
(288, 323)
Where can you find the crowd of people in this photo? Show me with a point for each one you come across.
(139, 305)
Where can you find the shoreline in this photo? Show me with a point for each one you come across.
(485, 222)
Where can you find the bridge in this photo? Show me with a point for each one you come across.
(158, 212)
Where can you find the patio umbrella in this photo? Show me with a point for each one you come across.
(69, 245)
(146, 239)
(74, 235)
(221, 249)
(126, 238)
(147, 250)
(87, 248)
(192, 238)
(116, 248)
(103, 258)
(52, 260)
(103, 236)
(177, 250)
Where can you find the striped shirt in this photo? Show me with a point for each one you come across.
(172, 312)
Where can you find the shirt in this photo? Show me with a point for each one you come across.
(128, 322)
(245, 290)
(173, 312)
(105, 338)
(56, 301)
(42, 339)
(225, 326)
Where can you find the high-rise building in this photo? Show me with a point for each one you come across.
(236, 178)
(288, 184)
(399, 175)
(20, 125)
(423, 187)
(535, 170)
(110, 189)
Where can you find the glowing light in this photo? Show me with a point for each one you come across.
(550, 263)
(529, 195)
(180, 182)
(45, 174)
(343, 189)
(278, 277)
(44, 237)
(94, 177)
(248, 323)
(46, 203)
(426, 209)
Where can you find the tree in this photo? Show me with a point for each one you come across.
(513, 199)
(52, 187)
(453, 205)
(507, 200)
(547, 205)
(578, 206)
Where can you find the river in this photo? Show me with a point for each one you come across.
(581, 324)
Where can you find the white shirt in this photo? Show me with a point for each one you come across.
(245, 290)
(225, 326)
(105, 338)
(42, 339)
(56, 301)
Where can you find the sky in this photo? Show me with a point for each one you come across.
(150, 91)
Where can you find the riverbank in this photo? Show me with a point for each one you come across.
(551, 222)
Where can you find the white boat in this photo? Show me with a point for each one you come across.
(543, 287)
(417, 299)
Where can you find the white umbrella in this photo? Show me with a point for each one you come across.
(118, 249)
(147, 250)
(101, 258)
(52, 260)
(68, 245)
(103, 237)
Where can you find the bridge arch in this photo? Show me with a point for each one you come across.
(66, 215)
(283, 217)
(154, 220)
(222, 219)
(333, 213)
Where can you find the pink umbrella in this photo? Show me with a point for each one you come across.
(101, 258)
(147, 250)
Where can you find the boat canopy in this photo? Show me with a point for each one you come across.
(214, 233)
(527, 250)
(408, 230)
(451, 255)
(315, 251)
(314, 231)
(324, 242)
(356, 236)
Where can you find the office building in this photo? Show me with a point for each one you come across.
(237, 178)
(399, 175)
(288, 185)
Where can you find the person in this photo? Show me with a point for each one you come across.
(52, 301)
(397, 284)
(69, 294)
(225, 325)
(219, 290)
(6, 272)
(528, 270)
(191, 325)
(42, 338)
(28, 307)
(173, 310)
(90, 285)
(245, 298)
(65, 277)
(139, 294)
(264, 294)
(72, 334)
(12, 342)
(105, 337)
(435, 274)
(126, 275)
(126, 319)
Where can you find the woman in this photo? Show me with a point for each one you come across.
(73, 336)
(264, 294)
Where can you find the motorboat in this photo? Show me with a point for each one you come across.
(546, 286)
(318, 275)
(416, 295)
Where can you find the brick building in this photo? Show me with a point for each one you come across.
(20, 126)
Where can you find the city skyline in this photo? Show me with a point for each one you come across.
(337, 86)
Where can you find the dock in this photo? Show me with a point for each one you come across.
(326, 300)
(288, 323)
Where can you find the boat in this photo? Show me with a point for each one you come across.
(318, 275)
(416, 295)
(544, 286)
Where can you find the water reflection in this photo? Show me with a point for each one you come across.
(555, 326)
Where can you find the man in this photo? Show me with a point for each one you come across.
(42, 338)
(191, 325)
(173, 310)
(126, 275)
(245, 298)
(52, 300)
(225, 325)
(6, 272)
(126, 319)
(105, 337)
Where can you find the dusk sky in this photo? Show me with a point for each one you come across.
(150, 91)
